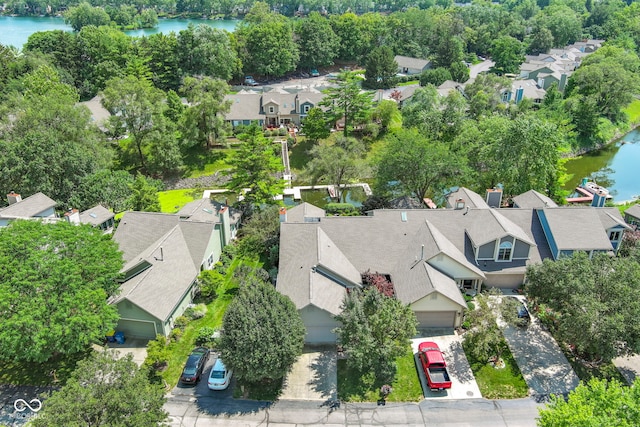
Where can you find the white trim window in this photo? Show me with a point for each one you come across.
(614, 235)
(505, 251)
(271, 110)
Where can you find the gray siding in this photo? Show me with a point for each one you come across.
(487, 251)
(521, 250)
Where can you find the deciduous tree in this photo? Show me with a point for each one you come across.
(204, 119)
(596, 403)
(317, 42)
(347, 102)
(105, 390)
(263, 333)
(595, 302)
(315, 126)
(375, 330)
(84, 14)
(55, 281)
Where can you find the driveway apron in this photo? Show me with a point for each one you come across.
(314, 376)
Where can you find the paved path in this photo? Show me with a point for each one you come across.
(543, 365)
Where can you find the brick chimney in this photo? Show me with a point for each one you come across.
(14, 198)
(459, 204)
(72, 216)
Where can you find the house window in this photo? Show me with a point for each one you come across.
(271, 110)
(614, 236)
(505, 97)
(306, 108)
(504, 253)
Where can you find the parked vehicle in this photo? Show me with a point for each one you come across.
(315, 73)
(220, 376)
(434, 366)
(250, 81)
(195, 364)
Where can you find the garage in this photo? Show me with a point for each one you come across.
(436, 319)
(137, 328)
(504, 280)
(320, 335)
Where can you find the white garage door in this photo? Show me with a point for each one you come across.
(436, 319)
(320, 335)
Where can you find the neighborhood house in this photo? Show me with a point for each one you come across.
(164, 254)
(432, 256)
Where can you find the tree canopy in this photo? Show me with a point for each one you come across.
(594, 302)
(596, 403)
(263, 333)
(105, 390)
(375, 330)
(55, 280)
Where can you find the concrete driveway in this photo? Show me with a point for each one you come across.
(543, 365)
(314, 376)
(464, 384)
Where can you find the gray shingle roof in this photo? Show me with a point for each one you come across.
(634, 211)
(244, 107)
(175, 249)
(577, 228)
(408, 62)
(206, 210)
(304, 210)
(96, 215)
(471, 198)
(28, 207)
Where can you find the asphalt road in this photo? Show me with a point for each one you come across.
(477, 412)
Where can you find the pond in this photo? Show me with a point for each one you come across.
(15, 30)
(615, 167)
(320, 197)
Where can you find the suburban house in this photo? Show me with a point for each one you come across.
(36, 206)
(532, 200)
(431, 256)
(164, 254)
(632, 215)
(98, 216)
(521, 89)
(271, 109)
(411, 66)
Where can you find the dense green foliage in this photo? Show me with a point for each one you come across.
(104, 390)
(55, 280)
(375, 330)
(596, 403)
(592, 304)
(263, 333)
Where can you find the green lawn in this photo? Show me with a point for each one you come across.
(409, 83)
(299, 154)
(406, 386)
(172, 200)
(503, 383)
(633, 111)
(207, 163)
(216, 309)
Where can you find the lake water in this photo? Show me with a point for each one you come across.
(14, 31)
(616, 167)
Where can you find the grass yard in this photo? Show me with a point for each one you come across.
(207, 163)
(633, 111)
(503, 383)
(409, 83)
(172, 200)
(406, 386)
(215, 311)
(299, 154)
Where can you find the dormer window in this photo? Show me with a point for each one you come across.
(306, 108)
(504, 252)
(614, 236)
(271, 110)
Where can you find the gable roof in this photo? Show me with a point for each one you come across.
(206, 210)
(578, 228)
(532, 199)
(471, 198)
(96, 215)
(28, 208)
(408, 62)
(174, 250)
(304, 211)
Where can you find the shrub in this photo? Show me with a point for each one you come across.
(266, 133)
(175, 334)
(204, 336)
(181, 321)
(290, 142)
(157, 353)
(210, 281)
(344, 209)
(196, 312)
(471, 305)
(282, 132)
